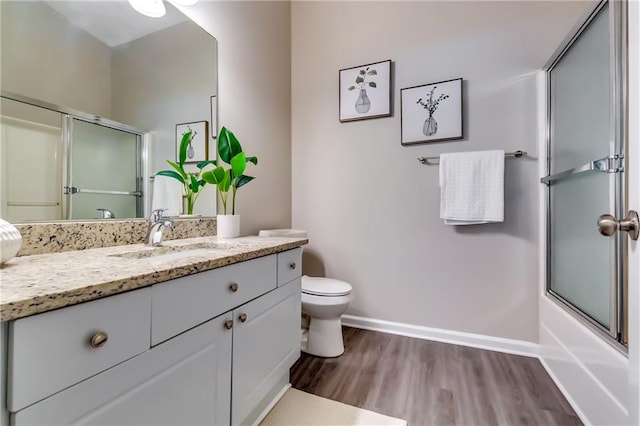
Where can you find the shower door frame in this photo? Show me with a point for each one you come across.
(617, 333)
(67, 161)
(68, 114)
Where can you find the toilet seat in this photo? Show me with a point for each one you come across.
(326, 287)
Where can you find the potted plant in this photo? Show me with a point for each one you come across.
(229, 180)
(191, 181)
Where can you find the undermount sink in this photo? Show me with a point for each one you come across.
(174, 251)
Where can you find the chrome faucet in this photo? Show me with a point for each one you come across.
(107, 214)
(157, 223)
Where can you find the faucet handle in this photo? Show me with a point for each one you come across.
(156, 215)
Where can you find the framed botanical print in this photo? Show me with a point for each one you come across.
(431, 112)
(198, 148)
(365, 91)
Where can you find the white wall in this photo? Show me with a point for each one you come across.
(254, 99)
(372, 211)
(158, 83)
(77, 74)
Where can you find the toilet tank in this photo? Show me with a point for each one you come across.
(290, 233)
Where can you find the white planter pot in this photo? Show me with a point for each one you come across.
(10, 241)
(228, 225)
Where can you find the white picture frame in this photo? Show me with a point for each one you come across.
(431, 112)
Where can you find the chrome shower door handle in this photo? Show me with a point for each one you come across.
(608, 225)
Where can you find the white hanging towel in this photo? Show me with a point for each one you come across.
(167, 194)
(472, 187)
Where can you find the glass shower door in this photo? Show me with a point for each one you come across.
(103, 172)
(584, 269)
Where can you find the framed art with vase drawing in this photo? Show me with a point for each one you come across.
(365, 91)
(431, 112)
(198, 149)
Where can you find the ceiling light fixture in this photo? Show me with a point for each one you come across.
(155, 8)
(184, 2)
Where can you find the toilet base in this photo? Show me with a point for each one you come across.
(324, 338)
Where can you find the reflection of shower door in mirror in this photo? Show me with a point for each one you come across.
(586, 172)
(30, 167)
(103, 171)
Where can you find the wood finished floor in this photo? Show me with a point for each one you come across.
(432, 383)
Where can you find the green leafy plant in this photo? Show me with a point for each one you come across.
(191, 181)
(361, 79)
(229, 179)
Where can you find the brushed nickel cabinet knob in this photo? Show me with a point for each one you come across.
(234, 287)
(228, 325)
(242, 317)
(99, 339)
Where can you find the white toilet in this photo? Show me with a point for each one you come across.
(324, 300)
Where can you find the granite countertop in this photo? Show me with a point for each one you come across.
(34, 284)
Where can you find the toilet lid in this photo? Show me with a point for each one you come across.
(319, 286)
(289, 233)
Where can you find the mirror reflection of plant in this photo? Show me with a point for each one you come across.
(190, 151)
(431, 105)
(229, 179)
(190, 180)
(361, 79)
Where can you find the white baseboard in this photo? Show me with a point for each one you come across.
(498, 344)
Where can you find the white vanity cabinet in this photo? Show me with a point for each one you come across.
(57, 349)
(266, 343)
(217, 351)
(184, 381)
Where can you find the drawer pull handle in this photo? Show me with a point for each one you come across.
(243, 317)
(234, 287)
(228, 325)
(99, 339)
(292, 265)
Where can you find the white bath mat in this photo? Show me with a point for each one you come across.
(297, 408)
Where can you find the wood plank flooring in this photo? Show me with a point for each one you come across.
(432, 383)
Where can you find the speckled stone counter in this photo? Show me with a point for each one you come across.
(56, 237)
(40, 283)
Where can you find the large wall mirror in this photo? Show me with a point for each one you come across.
(93, 91)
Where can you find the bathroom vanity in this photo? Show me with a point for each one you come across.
(200, 331)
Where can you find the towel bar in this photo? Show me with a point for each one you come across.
(433, 160)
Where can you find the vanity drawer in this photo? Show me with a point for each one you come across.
(54, 350)
(183, 303)
(289, 266)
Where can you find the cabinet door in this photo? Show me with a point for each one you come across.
(184, 381)
(266, 343)
(289, 266)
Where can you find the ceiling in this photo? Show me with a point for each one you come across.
(97, 17)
